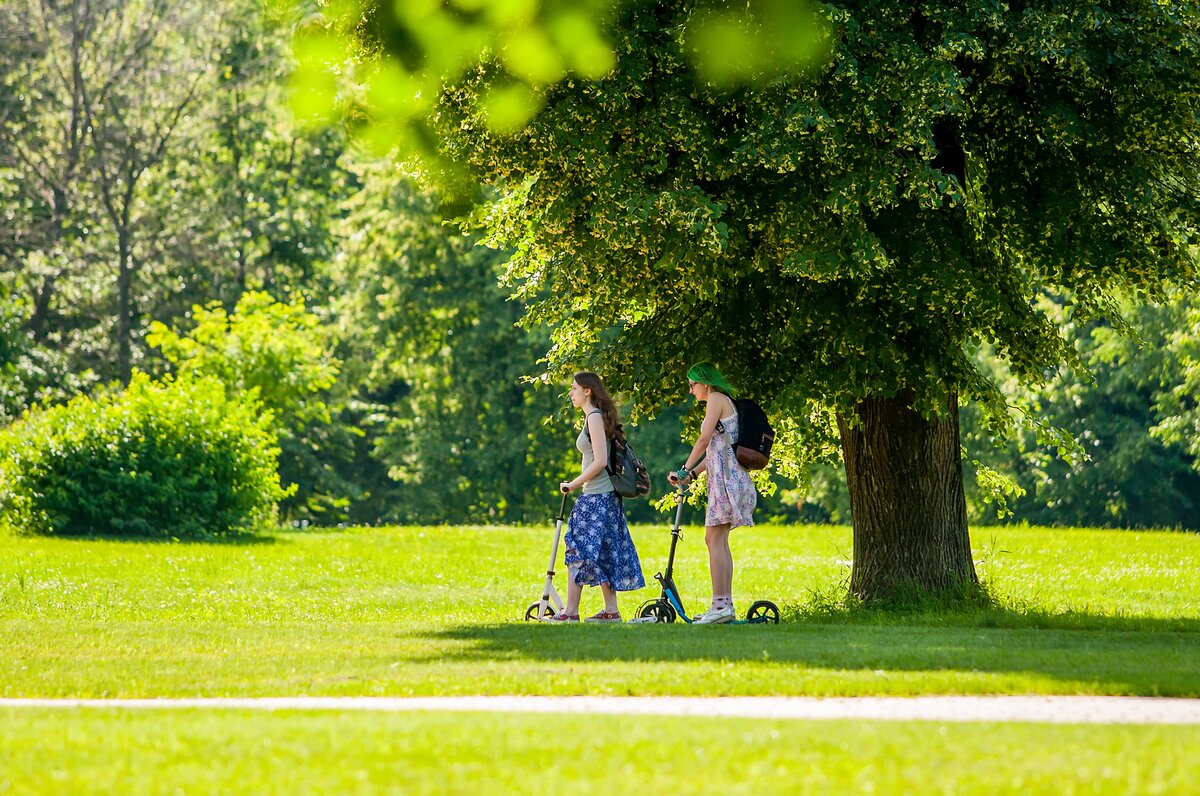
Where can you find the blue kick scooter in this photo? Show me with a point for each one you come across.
(669, 605)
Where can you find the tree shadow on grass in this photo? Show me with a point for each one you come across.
(1120, 655)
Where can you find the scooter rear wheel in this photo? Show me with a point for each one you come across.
(763, 611)
(659, 610)
(531, 612)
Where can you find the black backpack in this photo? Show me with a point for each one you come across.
(755, 435)
(630, 478)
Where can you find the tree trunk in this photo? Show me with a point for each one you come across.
(40, 317)
(906, 497)
(124, 308)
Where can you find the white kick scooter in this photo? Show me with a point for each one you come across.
(542, 609)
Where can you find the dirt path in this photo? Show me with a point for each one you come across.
(1036, 709)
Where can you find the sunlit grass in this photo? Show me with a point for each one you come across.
(293, 752)
(427, 611)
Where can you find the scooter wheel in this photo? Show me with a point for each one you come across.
(531, 613)
(658, 610)
(763, 611)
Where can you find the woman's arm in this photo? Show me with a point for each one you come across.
(712, 415)
(595, 425)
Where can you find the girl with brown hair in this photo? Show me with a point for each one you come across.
(600, 551)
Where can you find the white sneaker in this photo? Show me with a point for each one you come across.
(716, 616)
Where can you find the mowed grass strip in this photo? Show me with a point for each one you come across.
(429, 611)
(299, 752)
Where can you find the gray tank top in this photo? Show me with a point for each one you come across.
(601, 483)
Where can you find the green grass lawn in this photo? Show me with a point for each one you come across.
(431, 611)
(193, 751)
(428, 611)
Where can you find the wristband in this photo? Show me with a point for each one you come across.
(684, 473)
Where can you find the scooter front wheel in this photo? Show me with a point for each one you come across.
(763, 611)
(658, 610)
(531, 614)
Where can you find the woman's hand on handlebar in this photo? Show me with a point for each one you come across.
(565, 487)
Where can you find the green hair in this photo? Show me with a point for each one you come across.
(707, 373)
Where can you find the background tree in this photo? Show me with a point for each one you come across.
(278, 356)
(270, 191)
(43, 148)
(1177, 397)
(1134, 468)
(152, 166)
(100, 97)
(132, 117)
(14, 345)
(840, 241)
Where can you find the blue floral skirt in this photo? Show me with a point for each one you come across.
(599, 547)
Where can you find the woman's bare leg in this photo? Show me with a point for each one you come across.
(574, 592)
(720, 559)
(610, 598)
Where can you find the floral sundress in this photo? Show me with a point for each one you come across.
(731, 493)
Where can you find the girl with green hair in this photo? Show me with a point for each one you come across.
(731, 495)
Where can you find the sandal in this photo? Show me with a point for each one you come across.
(605, 616)
(563, 616)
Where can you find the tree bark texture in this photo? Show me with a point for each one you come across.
(124, 307)
(905, 478)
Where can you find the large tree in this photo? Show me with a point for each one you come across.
(842, 240)
(147, 163)
(96, 105)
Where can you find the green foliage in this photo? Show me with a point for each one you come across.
(268, 351)
(233, 199)
(179, 459)
(863, 212)
(192, 184)
(1127, 467)
(279, 356)
(383, 64)
(1177, 399)
(756, 43)
(269, 192)
(662, 194)
(440, 361)
(858, 232)
(435, 347)
(28, 372)
(14, 344)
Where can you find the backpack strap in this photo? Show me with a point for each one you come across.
(587, 430)
(720, 425)
(608, 469)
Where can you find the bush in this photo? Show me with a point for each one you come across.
(176, 459)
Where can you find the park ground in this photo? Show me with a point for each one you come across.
(436, 612)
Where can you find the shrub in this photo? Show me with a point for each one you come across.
(175, 459)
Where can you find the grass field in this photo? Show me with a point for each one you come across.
(96, 751)
(432, 611)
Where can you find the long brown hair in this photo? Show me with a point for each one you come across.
(601, 400)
